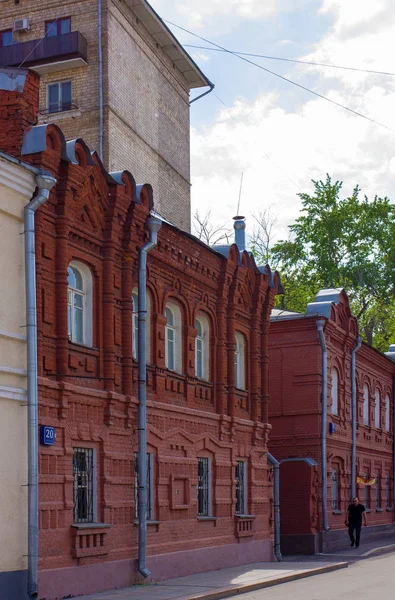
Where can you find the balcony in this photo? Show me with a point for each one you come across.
(49, 54)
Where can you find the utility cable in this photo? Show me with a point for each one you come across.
(293, 60)
(299, 85)
(39, 42)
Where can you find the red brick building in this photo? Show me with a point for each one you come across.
(210, 489)
(297, 390)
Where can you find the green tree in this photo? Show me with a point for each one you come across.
(343, 242)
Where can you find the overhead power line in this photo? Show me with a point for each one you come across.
(293, 60)
(299, 85)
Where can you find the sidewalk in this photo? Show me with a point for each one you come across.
(225, 583)
(365, 550)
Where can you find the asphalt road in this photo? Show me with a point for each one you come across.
(371, 579)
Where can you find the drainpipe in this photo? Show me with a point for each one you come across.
(276, 468)
(212, 86)
(153, 226)
(324, 395)
(45, 183)
(354, 418)
(100, 65)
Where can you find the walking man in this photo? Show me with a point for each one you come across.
(354, 521)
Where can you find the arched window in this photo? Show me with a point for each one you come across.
(173, 349)
(387, 413)
(335, 392)
(377, 411)
(239, 361)
(365, 405)
(135, 325)
(79, 303)
(202, 347)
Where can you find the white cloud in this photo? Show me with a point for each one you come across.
(301, 146)
(200, 13)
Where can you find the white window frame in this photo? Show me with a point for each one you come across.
(204, 342)
(377, 410)
(209, 488)
(387, 412)
(176, 330)
(150, 488)
(94, 485)
(366, 416)
(60, 93)
(244, 490)
(335, 391)
(135, 325)
(240, 375)
(86, 293)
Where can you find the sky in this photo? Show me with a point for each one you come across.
(277, 135)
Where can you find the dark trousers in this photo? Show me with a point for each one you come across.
(357, 528)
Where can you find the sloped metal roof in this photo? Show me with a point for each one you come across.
(169, 43)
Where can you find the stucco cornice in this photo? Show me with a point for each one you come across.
(16, 178)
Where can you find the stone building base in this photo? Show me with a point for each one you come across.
(87, 579)
(13, 585)
(333, 540)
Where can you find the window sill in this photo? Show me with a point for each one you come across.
(208, 518)
(151, 522)
(368, 510)
(336, 511)
(91, 525)
(238, 516)
(79, 346)
(389, 509)
(379, 510)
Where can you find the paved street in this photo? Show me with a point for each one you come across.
(371, 579)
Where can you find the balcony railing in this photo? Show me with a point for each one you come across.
(66, 47)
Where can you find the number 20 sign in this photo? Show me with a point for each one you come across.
(47, 435)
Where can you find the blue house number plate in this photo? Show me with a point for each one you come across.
(47, 435)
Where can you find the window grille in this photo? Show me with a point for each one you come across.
(335, 490)
(240, 488)
(83, 466)
(377, 489)
(366, 493)
(149, 487)
(203, 497)
(387, 492)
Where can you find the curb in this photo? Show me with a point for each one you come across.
(377, 551)
(252, 587)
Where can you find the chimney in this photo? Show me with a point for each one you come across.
(19, 98)
(240, 233)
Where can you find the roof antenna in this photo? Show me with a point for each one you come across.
(241, 188)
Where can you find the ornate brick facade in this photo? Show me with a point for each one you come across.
(89, 393)
(295, 414)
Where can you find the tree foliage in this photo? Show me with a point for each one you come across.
(343, 242)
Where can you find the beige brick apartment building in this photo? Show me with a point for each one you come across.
(129, 101)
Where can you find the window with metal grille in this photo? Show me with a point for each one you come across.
(377, 489)
(387, 492)
(84, 488)
(241, 508)
(59, 97)
(366, 493)
(149, 483)
(203, 487)
(335, 489)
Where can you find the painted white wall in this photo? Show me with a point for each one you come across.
(16, 189)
